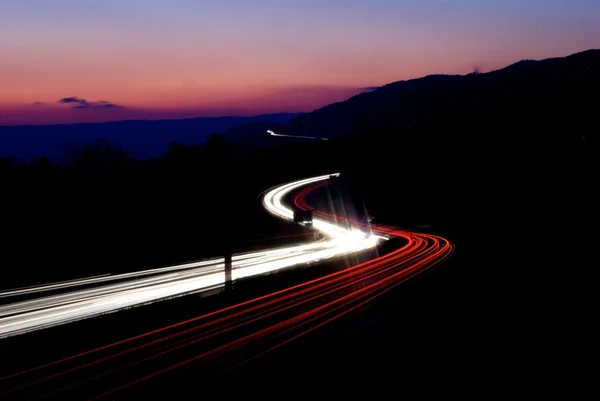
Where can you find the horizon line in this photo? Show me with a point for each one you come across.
(154, 119)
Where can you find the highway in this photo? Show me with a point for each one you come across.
(237, 334)
(90, 297)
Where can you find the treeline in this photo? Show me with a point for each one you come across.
(107, 212)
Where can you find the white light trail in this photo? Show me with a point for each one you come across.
(272, 133)
(137, 288)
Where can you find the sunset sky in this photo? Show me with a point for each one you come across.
(122, 59)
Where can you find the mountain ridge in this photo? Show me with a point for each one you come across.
(421, 98)
(142, 138)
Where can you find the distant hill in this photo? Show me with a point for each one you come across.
(557, 93)
(452, 149)
(144, 139)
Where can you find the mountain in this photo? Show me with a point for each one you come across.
(501, 148)
(143, 139)
(536, 96)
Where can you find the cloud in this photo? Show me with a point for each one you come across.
(73, 99)
(81, 103)
(107, 105)
(371, 88)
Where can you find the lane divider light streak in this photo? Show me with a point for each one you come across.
(299, 309)
(101, 279)
(26, 316)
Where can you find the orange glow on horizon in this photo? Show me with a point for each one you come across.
(213, 56)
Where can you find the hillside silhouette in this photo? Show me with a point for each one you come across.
(142, 138)
(507, 158)
(434, 147)
(440, 151)
(529, 125)
(554, 93)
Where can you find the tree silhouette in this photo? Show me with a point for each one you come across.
(183, 156)
(99, 154)
(6, 164)
(216, 149)
(41, 165)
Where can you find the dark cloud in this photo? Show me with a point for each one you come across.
(81, 103)
(107, 105)
(371, 88)
(73, 99)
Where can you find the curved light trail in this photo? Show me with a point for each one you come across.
(265, 322)
(112, 293)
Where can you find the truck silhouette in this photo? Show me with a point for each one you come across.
(303, 217)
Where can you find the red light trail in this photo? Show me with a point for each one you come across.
(266, 322)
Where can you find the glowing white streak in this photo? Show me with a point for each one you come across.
(107, 278)
(100, 279)
(294, 136)
(49, 311)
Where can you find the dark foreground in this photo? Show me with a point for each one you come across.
(425, 326)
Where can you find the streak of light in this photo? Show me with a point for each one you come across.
(163, 283)
(266, 322)
(272, 133)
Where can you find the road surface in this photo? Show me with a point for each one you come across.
(232, 336)
(112, 293)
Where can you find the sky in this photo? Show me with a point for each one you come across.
(66, 61)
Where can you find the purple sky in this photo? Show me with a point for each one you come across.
(126, 59)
